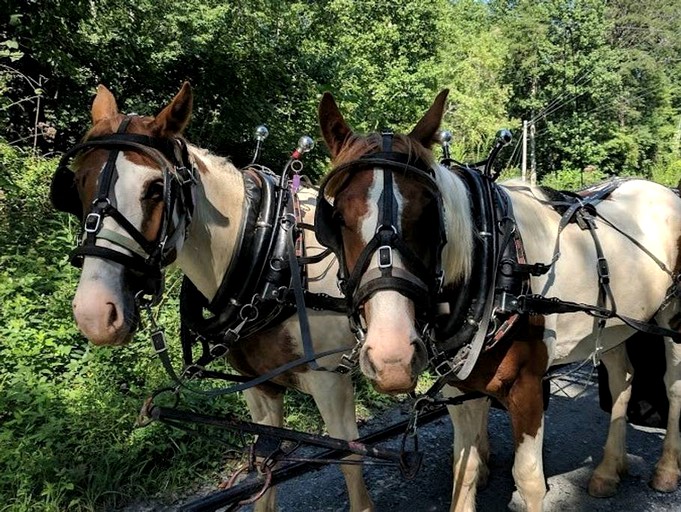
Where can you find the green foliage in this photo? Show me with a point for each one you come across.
(572, 179)
(67, 412)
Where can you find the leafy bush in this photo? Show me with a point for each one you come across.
(572, 179)
(67, 412)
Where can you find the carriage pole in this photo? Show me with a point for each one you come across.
(245, 490)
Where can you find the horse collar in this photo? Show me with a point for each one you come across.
(478, 315)
(254, 292)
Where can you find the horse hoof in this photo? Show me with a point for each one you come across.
(600, 487)
(665, 481)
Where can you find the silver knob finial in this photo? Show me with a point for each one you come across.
(504, 136)
(261, 133)
(444, 137)
(305, 144)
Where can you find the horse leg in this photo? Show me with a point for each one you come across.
(526, 409)
(667, 470)
(606, 477)
(334, 396)
(266, 409)
(471, 449)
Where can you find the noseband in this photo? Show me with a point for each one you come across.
(147, 258)
(416, 281)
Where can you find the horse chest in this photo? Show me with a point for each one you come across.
(266, 351)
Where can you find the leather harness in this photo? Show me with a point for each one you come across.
(478, 315)
(263, 285)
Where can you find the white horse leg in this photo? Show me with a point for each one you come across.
(266, 409)
(334, 396)
(526, 410)
(471, 449)
(606, 476)
(667, 471)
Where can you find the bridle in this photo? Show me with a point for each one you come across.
(145, 259)
(419, 282)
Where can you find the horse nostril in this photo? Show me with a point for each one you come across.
(420, 358)
(113, 318)
(367, 365)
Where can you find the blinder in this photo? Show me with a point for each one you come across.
(417, 281)
(64, 193)
(146, 259)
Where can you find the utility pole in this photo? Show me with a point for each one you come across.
(533, 160)
(523, 165)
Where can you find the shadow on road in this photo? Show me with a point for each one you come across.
(575, 433)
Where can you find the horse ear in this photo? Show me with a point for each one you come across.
(104, 105)
(173, 119)
(425, 129)
(334, 128)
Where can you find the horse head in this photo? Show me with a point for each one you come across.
(127, 180)
(381, 211)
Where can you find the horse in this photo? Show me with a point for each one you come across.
(147, 199)
(416, 246)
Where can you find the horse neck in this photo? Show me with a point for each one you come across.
(457, 255)
(218, 214)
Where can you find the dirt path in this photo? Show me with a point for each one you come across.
(575, 435)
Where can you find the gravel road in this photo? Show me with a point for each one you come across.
(573, 444)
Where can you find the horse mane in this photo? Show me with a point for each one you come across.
(356, 146)
(457, 255)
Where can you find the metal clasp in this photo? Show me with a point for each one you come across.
(384, 256)
(444, 368)
(92, 223)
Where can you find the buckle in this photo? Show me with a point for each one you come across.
(92, 223)
(185, 175)
(347, 364)
(603, 271)
(158, 341)
(384, 255)
(218, 350)
(444, 368)
(193, 371)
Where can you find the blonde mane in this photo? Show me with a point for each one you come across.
(457, 255)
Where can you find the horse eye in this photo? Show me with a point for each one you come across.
(338, 218)
(154, 191)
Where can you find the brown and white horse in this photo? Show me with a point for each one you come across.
(394, 353)
(104, 305)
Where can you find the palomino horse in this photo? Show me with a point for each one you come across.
(138, 212)
(397, 218)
